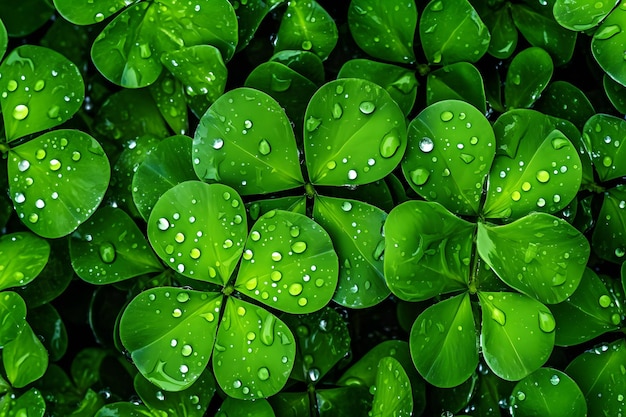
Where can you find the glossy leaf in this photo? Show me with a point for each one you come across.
(616, 93)
(604, 138)
(600, 376)
(307, 26)
(539, 255)
(12, 316)
(254, 351)
(343, 401)
(304, 63)
(607, 45)
(451, 31)
(536, 167)
(192, 402)
(109, 247)
(167, 93)
(247, 128)
(565, 100)
(86, 367)
(517, 334)
(356, 231)
(580, 15)
(586, 314)
(199, 230)
(443, 340)
(288, 263)
(393, 390)
(23, 257)
(451, 146)
(459, 81)
(113, 120)
(29, 404)
(163, 168)
(170, 333)
(322, 339)
(527, 76)
(427, 251)
(547, 392)
(25, 359)
(250, 14)
(292, 90)
(540, 29)
(232, 407)
(504, 35)
(4, 39)
(200, 69)
(88, 13)
(70, 172)
(609, 235)
(296, 204)
(40, 89)
(354, 133)
(127, 51)
(399, 82)
(369, 23)
(46, 322)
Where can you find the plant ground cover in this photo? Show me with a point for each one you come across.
(312, 208)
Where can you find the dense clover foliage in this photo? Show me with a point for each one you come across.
(313, 208)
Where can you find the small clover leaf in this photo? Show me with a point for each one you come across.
(24, 256)
(248, 128)
(517, 333)
(25, 359)
(427, 251)
(609, 238)
(40, 89)
(393, 390)
(607, 45)
(288, 263)
(109, 247)
(12, 316)
(580, 15)
(451, 147)
(539, 255)
(444, 343)
(254, 351)
(527, 76)
(173, 347)
(354, 133)
(369, 23)
(199, 230)
(70, 173)
(458, 81)
(603, 136)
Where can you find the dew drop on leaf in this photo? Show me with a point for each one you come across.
(20, 112)
(352, 174)
(312, 123)
(559, 143)
(346, 206)
(264, 147)
(186, 350)
(420, 176)
(546, 322)
(367, 107)
(182, 297)
(23, 165)
(604, 301)
(543, 176)
(499, 316)
(276, 256)
(337, 111)
(389, 145)
(446, 116)
(107, 252)
(298, 247)
(263, 373)
(554, 380)
(426, 144)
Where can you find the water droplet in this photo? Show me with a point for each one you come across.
(558, 279)
(607, 32)
(237, 384)
(314, 374)
(264, 147)
(12, 85)
(99, 17)
(40, 203)
(446, 116)
(107, 252)
(182, 297)
(302, 301)
(76, 156)
(39, 85)
(389, 145)
(307, 45)
(218, 143)
(554, 380)
(180, 238)
(276, 256)
(263, 373)
(295, 289)
(604, 301)
(541, 202)
(420, 176)
(163, 223)
(23, 165)
(294, 231)
(367, 107)
(337, 111)
(619, 252)
(298, 247)
(607, 161)
(543, 176)
(346, 206)
(352, 174)
(227, 244)
(546, 322)
(467, 158)
(55, 164)
(279, 84)
(241, 311)
(426, 144)
(40, 154)
(516, 78)
(252, 283)
(312, 123)
(251, 336)
(255, 236)
(160, 396)
(521, 396)
(177, 312)
(186, 350)
(499, 316)
(515, 196)
(247, 124)
(53, 112)
(19, 198)
(559, 143)
(267, 330)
